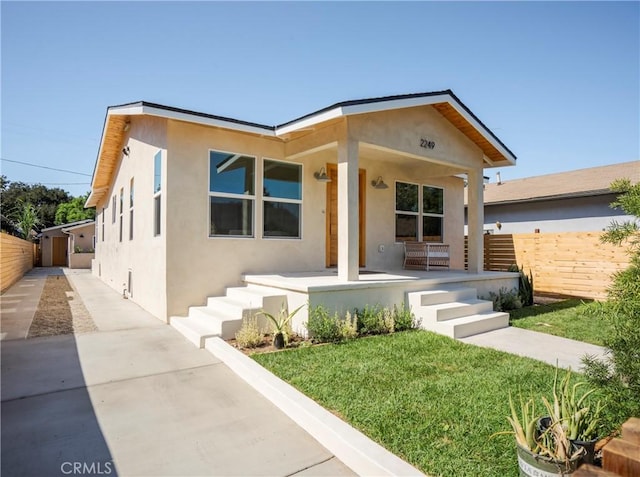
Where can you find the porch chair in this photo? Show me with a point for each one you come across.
(424, 256)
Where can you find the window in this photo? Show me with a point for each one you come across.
(157, 190)
(131, 209)
(432, 213)
(102, 231)
(113, 210)
(231, 194)
(121, 207)
(419, 213)
(282, 199)
(406, 212)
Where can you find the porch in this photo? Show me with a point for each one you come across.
(451, 302)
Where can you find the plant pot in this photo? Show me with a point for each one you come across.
(589, 454)
(534, 465)
(278, 340)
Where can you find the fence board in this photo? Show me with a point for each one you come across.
(568, 263)
(17, 257)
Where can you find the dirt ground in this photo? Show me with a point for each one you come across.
(60, 311)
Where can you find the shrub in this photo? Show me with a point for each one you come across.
(371, 320)
(249, 334)
(505, 300)
(322, 326)
(349, 327)
(404, 318)
(525, 291)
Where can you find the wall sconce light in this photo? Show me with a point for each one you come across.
(126, 127)
(498, 225)
(379, 183)
(46, 236)
(125, 151)
(81, 235)
(322, 176)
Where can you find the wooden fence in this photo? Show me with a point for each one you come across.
(17, 257)
(569, 263)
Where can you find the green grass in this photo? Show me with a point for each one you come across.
(564, 318)
(433, 401)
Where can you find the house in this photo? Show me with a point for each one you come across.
(574, 201)
(68, 245)
(206, 217)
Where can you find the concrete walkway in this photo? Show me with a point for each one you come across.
(551, 349)
(135, 398)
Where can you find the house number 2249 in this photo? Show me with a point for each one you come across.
(427, 144)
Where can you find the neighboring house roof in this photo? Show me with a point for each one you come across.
(578, 183)
(445, 102)
(70, 226)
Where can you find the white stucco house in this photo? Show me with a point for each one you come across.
(203, 219)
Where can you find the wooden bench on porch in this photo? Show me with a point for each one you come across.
(424, 256)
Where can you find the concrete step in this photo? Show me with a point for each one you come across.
(468, 325)
(230, 307)
(194, 329)
(453, 310)
(267, 299)
(440, 296)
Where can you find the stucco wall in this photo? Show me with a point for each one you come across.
(145, 255)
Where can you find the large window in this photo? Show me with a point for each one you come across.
(121, 207)
(131, 189)
(282, 199)
(419, 213)
(231, 194)
(102, 231)
(157, 192)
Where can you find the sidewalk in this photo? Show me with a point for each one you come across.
(135, 398)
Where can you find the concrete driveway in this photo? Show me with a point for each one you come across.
(136, 399)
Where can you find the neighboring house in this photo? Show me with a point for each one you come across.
(189, 204)
(68, 245)
(574, 201)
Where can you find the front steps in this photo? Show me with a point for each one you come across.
(456, 312)
(222, 316)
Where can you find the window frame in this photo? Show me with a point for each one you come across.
(421, 214)
(121, 224)
(131, 199)
(282, 200)
(157, 195)
(229, 195)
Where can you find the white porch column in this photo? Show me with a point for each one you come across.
(348, 220)
(475, 220)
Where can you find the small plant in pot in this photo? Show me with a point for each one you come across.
(281, 325)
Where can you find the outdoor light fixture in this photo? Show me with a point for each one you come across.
(125, 151)
(379, 183)
(322, 176)
(126, 127)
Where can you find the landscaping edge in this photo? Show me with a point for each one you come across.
(352, 447)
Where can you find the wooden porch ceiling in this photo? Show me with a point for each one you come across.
(455, 118)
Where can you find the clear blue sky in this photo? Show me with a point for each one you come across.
(557, 82)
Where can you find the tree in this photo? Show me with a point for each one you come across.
(26, 219)
(619, 374)
(73, 211)
(44, 200)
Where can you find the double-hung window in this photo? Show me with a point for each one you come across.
(419, 213)
(131, 189)
(121, 207)
(232, 194)
(282, 199)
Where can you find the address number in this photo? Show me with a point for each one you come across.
(427, 144)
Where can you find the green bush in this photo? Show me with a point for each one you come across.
(404, 318)
(349, 327)
(525, 291)
(322, 326)
(371, 320)
(505, 300)
(249, 334)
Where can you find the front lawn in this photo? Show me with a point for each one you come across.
(431, 400)
(565, 318)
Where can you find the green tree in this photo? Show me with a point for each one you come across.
(73, 211)
(45, 200)
(26, 218)
(619, 374)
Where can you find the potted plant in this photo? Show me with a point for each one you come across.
(558, 442)
(280, 325)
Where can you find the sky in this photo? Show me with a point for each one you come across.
(557, 82)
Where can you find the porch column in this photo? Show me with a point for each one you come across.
(348, 220)
(475, 220)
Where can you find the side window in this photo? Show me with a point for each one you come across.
(157, 193)
(282, 199)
